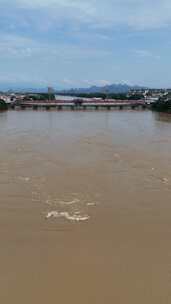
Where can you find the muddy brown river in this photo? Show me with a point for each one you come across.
(85, 207)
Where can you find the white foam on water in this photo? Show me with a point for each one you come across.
(116, 155)
(25, 179)
(75, 201)
(76, 217)
(91, 204)
(165, 180)
(48, 202)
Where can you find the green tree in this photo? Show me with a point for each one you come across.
(162, 105)
(3, 105)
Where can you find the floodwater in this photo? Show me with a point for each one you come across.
(85, 207)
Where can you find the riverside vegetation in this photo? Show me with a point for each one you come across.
(162, 105)
(3, 105)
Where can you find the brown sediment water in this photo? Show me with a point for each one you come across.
(85, 207)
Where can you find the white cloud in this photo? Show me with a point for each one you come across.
(145, 54)
(21, 47)
(139, 14)
(102, 82)
(98, 82)
(77, 40)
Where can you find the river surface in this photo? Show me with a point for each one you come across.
(85, 207)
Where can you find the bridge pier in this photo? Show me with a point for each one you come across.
(23, 107)
(80, 105)
(47, 108)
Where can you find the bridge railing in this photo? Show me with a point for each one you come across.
(82, 102)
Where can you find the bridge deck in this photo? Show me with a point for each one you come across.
(80, 105)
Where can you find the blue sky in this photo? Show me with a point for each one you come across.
(76, 43)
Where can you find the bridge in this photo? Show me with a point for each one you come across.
(80, 105)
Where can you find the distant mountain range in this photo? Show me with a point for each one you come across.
(113, 88)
